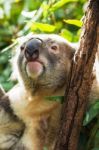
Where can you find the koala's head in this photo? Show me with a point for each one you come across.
(44, 62)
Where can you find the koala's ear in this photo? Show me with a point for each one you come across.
(70, 51)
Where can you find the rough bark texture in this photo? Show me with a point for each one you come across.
(80, 82)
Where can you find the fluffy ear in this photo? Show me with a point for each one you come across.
(71, 49)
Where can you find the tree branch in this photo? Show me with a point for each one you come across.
(80, 82)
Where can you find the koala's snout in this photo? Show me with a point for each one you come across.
(32, 49)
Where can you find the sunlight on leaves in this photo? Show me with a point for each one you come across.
(61, 3)
(66, 34)
(42, 27)
(77, 23)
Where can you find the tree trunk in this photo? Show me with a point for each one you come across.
(80, 82)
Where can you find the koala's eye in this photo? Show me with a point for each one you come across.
(55, 48)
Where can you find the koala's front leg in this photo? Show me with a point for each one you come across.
(11, 128)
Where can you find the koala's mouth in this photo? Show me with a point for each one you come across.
(34, 69)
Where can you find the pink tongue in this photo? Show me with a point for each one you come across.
(34, 68)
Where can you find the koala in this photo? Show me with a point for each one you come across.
(28, 120)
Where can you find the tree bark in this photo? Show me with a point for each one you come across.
(80, 81)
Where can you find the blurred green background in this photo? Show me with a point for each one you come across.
(63, 17)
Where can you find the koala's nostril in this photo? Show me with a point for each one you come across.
(32, 49)
(35, 54)
(31, 56)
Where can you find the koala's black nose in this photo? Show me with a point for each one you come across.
(32, 49)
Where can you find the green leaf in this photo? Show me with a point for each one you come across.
(91, 113)
(77, 23)
(66, 34)
(60, 4)
(42, 27)
(7, 85)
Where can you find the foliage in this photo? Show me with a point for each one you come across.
(63, 17)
